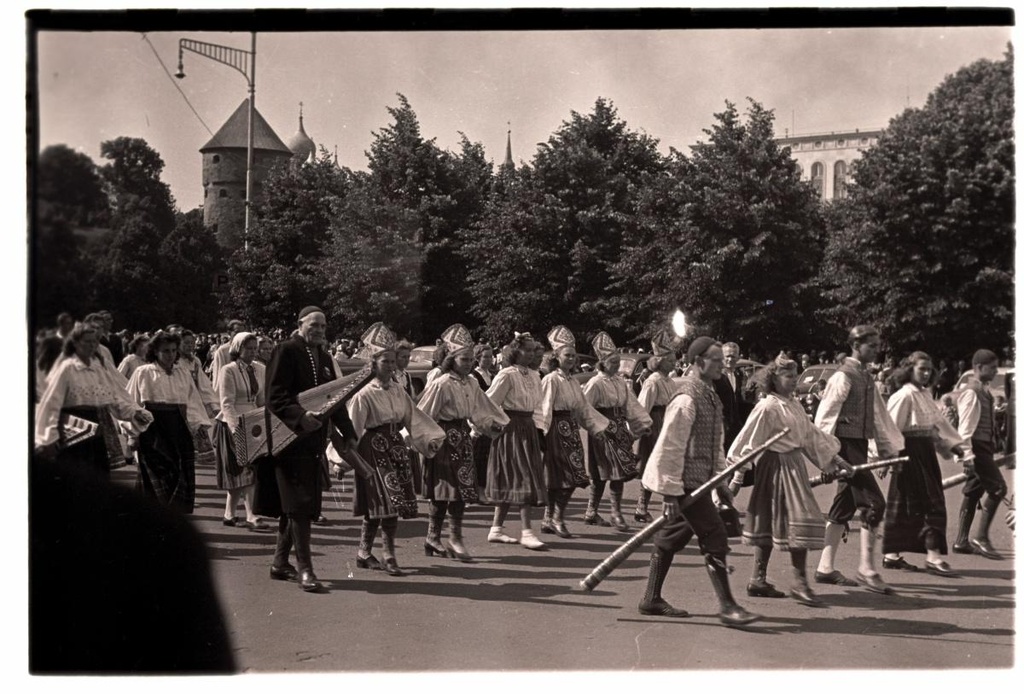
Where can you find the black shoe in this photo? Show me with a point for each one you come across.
(833, 578)
(547, 528)
(940, 568)
(962, 549)
(660, 608)
(459, 556)
(805, 596)
(619, 523)
(309, 583)
(284, 573)
(763, 589)
(370, 562)
(596, 520)
(736, 616)
(258, 527)
(320, 520)
(562, 531)
(984, 548)
(230, 522)
(644, 517)
(391, 567)
(874, 583)
(898, 563)
(430, 549)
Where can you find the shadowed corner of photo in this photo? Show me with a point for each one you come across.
(117, 583)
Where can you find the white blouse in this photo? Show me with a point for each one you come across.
(561, 392)
(73, 383)
(771, 415)
(375, 405)
(150, 383)
(657, 390)
(236, 396)
(451, 397)
(915, 411)
(604, 390)
(516, 388)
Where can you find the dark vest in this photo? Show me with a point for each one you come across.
(857, 415)
(986, 423)
(706, 428)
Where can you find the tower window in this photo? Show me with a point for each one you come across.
(216, 158)
(223, 193)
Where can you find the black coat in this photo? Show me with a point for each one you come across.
(734, 408)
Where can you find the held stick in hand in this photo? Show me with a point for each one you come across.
(632, 544)
(888, 462)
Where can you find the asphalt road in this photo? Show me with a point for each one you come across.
(518, 610)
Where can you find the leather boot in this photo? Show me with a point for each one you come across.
(652, 602)
(980, 542)
(546, 525)
(730, 613)
(962, 545)
(801, 591)
(435, 521)
(615, 494)
(456, 550)
(642, 515)
(558, 514)
(759, 587)
(596, 492)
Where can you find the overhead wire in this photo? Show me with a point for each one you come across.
(176, 86)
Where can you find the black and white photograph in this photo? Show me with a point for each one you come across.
(544, 342)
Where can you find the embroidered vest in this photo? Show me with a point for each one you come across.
(857, 415)
(706, 428)
(986, 423)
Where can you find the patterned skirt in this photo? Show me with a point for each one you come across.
(647, 442)
(102, 452)
(515, 468)
(783, 512)
(389, 492)
(230, 475)
(167, 458)
(563, 453)
(612, 459)
(451, 474)
(916, 503)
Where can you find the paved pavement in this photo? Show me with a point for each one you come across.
(516, 610)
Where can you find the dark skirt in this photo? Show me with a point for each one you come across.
(481, 452)
(389, 492)
(101, 452)
(916, 503)
(563, 453)
(451, 474)
(647, 442)
(782, 512)
(230, 475)
(515, 468)
(167, 458)
(613, 458)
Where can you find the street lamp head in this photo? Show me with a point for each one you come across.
(180, 74)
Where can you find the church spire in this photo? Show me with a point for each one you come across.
(508, 149)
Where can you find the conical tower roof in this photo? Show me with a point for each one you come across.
(508, 150)
(235, 133)
(301, 144)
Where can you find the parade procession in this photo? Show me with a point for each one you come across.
(728, 386)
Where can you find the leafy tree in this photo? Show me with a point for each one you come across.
(68, 186)
(925, 250)
(132, 179)
(191, 259)
(739, 234)
(279, 273)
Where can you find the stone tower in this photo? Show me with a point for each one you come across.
(224, 158)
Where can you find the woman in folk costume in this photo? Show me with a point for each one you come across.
(241, 390)
(403, 351)
(481, 373)
(782, 512)
(515, 469)
(81, 386)
(454, 401)
(205, 453)
(915, 513)
(657, 389)
(167, 453)
(379, 411)
(612, 460)
(563, 410)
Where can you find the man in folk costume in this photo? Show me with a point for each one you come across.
(657, 389)
(687, 454)
(455, 401)
(299, 471)
(853, 411)
(977, 424)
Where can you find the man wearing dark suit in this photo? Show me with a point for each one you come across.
(299, 471)
(730, 391)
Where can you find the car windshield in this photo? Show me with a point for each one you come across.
(424, 355)
(626, 366)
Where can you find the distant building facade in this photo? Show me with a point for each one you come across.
(825, 158)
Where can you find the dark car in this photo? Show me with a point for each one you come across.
(810, 385)
(419, 365)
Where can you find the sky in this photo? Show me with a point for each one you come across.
(667, 83)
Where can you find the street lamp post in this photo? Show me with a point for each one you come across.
(245, 63)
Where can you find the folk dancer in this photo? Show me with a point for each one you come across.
(687, 454)
(915, 513)
(379, 411)
(852, 410)
(782, 512)
(612, 460)
(976, 413)
(657, 389)
(455, 402)
(563, 410)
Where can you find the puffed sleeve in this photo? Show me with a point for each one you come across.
(500, 387)
(968, 410)
(423, 431)
(901, 408)
(358, 411)
(837, 389)
(227, 384)
(548, 388)
(195, 410)
(819, 447)
(433, 398)
(648, 393)
(485, 413)
(663, 473)
(134, 386)
(636, 415)
(761, 424)
(206, 392)
(584, 413)
(888, 437)
(48, 409)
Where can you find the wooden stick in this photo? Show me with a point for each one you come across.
(873, 465)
